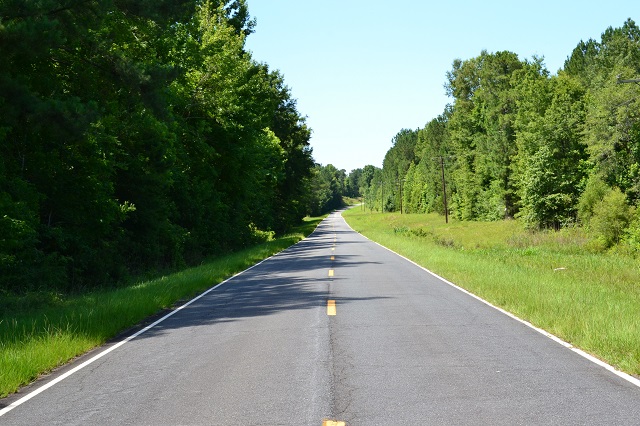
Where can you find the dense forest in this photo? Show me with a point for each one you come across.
(137, 135)
(518, 142)
(141, 135)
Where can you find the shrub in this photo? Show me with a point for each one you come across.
(594, 193)
(611, 216)
(632, 234)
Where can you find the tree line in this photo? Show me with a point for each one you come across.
(518, 142)
(331, 187)
(137, 135)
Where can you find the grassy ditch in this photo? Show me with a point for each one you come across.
(41, 331)
(550, 279)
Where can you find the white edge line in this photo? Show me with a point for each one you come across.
(60, 378)
(629, 378)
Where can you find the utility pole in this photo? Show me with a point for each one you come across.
(400, 196)
(444, 191)
(383, 195)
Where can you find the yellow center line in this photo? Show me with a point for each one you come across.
(333, 423)
(333, 258)
(331, 307)
(330, 272)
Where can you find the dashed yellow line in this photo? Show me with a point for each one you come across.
(333, 258)
(331, 307)
(333, 423)
(330, 272)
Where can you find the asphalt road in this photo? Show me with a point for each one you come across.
(403, 348)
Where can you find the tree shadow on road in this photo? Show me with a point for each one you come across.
(295, 279)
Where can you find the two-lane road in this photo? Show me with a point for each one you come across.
(336, 327)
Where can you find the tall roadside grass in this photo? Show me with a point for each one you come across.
(41, 331)
(551, 279)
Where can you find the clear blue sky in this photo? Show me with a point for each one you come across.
(362, 70)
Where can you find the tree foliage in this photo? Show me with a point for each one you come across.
(137, 135)
(519, 142)
(328, 185)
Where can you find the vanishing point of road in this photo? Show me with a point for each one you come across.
(335, 330)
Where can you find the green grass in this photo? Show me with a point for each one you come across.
(41, 331)
(548, 278)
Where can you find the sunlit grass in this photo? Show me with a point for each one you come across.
(43, 330)
(548, 278)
